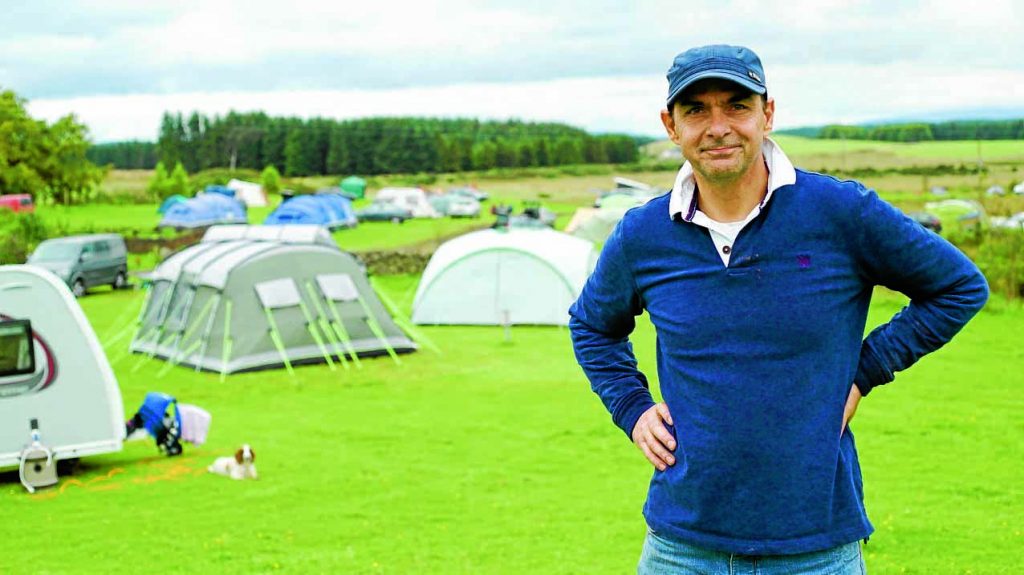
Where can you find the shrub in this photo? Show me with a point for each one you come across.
(21, 233)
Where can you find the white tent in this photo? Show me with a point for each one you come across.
(249, 193)
(414, 199)
(57, 374)
(491, 277)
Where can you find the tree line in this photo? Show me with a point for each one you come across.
(925, 132)
(366, 146)
(131, 155)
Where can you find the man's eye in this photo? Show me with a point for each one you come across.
(694, 110)
(739, 106)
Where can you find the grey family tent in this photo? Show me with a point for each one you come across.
(52, 370)
(504, 277)
(257, 297)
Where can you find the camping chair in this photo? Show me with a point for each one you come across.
(283, 293)
(341, 288)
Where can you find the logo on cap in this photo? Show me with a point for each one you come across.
(754, 75)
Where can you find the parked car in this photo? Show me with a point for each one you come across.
(85, 261)
(456, 205)
(1014, 222)
(463, 207)
(927, 220)
(384, 212)
(17, 203)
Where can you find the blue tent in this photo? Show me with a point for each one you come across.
(331, 210)
(204, 210)
(216, 189)
(166, 204)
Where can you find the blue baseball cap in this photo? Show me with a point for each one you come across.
(733, 63)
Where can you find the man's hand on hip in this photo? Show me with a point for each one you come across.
(852, 401)
(651, 436)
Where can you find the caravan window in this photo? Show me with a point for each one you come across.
(17, 354)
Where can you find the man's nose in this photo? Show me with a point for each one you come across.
(719, 123)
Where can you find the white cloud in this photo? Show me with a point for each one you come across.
(594, 63)
(602, 104)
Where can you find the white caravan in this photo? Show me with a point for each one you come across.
(413, 199)
(53, 371)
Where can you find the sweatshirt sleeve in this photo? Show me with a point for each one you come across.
(945, 289)
(600, 323)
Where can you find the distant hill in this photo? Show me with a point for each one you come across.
(983, 124)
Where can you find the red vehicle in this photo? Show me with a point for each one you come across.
(17, 203)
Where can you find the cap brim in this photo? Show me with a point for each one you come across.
(719, 74)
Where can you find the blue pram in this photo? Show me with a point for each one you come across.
(154, 417)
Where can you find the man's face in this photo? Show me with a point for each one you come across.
(719, 126)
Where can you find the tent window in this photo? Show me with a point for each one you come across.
(338, 287)
(278, 293)
(17, 353)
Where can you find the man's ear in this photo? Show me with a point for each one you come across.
(769, 114)
(670, 126)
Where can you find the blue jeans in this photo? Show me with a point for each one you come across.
(669, 557)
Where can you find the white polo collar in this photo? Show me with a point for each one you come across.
(683, 202)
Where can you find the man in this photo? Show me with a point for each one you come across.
(757, 278)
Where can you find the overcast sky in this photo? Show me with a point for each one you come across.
(599, 64)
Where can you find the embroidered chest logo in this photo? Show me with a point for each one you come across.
(804, 261)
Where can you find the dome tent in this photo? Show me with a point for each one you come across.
(330, 210)
(497, 277)
(595, 224)
(170, 201)
(256, 297)
(203, 210)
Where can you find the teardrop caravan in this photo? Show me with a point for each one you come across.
(53, 370)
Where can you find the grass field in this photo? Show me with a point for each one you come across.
(494, 457)
(861, 153)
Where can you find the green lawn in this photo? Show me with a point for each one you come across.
(495, 457)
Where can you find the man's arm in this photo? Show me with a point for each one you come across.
(601, 321)
(945, 289)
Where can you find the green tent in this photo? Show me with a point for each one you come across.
(255, 297)
(354, 187)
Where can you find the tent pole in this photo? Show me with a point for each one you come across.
(342, 333)
(142, 314)
(176, 358)
(275, 336)
(181, 334)
(402, 321)
(205, 338)
(325, 325)
(225, 348)
(371, 322)
(311, 328)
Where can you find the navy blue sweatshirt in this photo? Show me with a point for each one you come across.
(755, 360)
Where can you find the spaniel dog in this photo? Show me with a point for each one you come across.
(241, 466)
